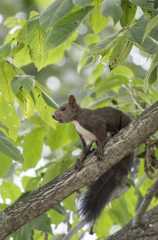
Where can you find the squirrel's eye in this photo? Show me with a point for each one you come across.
(63, 109)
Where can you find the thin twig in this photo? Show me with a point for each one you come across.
(46, 236)
(145, 203)
(75, 230)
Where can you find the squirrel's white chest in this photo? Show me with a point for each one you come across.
(88, 137)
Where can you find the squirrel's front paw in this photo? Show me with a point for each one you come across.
(100, 156)
(78, 164)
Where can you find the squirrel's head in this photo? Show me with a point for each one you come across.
(67, 112)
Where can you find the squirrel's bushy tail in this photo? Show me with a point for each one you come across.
(99, 192)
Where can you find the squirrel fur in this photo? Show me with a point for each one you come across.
(93, 126)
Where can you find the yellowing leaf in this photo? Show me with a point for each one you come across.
(27, 106)
(120, 52)
(44, 110)
(7, 72)
(9, 116)
(96, 20)
(21, 85)
(129, 11)
(35, 40)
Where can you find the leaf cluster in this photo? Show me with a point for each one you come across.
(44, 39)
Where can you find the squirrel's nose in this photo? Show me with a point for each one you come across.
(53, 116)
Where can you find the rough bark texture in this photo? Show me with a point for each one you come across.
(44, 198)
(147, 231)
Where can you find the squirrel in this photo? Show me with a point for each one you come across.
(93, 126)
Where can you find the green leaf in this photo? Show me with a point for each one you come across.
(122, 70)
(120, 51)
(59, 137)
(143, 4)
(27, 106)
(5, 50)
(111, 83)
(96, 20)
(35, 41)
(9, 117)
(153, 76)
(7, 72)
(129, 11)
(22, 58)
(14, 21)
(96, 73)
(152, 24)
(119, 212)
(5, 163)
(73, 135)
(33, 146)
(4, 127)
(66, 27)
(82, 3)
(21, 37)
(81, 64)
(57, 167)
(60, 209)
(54, 12)
(69, 202)
(35, 119)
(135, 34)
(56, 218)
(143, 21)
(49, 100)
(16, 49)
(138, 82)
(112, 9)
(30, 184)
(102, 46)
(55, 55)
(104, 224)
(7, 148)
(21, 85)
(152, 66)
(9, 190)
(24, 233)
(42, 223)
(44, 110)
(91, 38)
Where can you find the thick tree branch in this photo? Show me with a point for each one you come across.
(44, 198)
(148, 230)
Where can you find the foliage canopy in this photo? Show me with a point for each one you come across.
(43, 39)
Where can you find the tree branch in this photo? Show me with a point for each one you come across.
(42, 199)
(145, 203)
(117, 193)
(146, 231)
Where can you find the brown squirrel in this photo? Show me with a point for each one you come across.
(93, 126)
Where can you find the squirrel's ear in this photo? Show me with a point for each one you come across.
(72, 100)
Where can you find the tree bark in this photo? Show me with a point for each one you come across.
(42, 199)
(148, 230)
